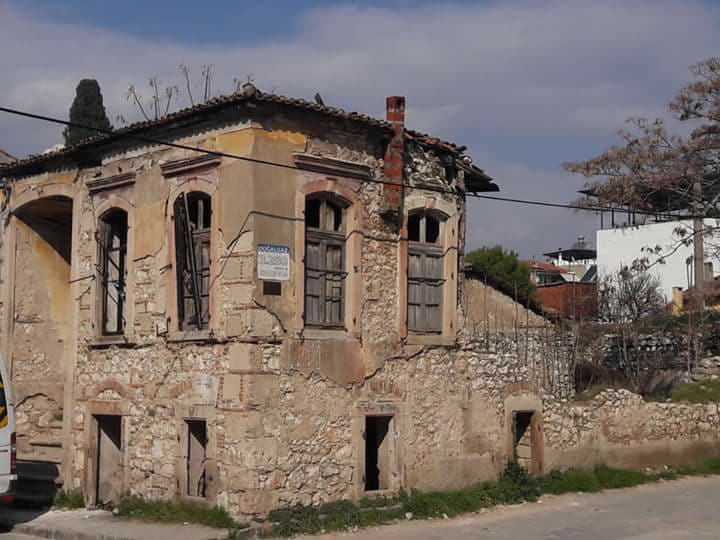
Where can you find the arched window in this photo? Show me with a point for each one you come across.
(324, 261)
(111, 238)
(192, 214)
(425, 272)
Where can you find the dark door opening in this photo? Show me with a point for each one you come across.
(522, 438)
(109, 474)
(378, 452)
(196, 456)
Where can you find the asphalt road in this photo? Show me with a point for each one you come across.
(687, 509)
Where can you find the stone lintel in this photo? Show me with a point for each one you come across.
(110, 182)
(332, 166)
(190, 165)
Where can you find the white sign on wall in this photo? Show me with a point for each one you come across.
(273, 262)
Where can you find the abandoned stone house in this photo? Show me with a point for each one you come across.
(276, 319)
(217, 325)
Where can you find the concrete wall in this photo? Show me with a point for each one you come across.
(622, 246)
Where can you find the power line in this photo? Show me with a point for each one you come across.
(159, 142)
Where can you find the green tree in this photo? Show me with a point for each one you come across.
(87, 109)
(503, 270)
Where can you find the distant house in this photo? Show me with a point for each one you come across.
(580, 259)
(545, 273)
(566, 283)
(5, 157)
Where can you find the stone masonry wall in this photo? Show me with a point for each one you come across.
(285, 405)
(619, 428)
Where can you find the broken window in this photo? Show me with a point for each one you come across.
(112, 267)
(324, 261)
(425, 273)
(379, 452)
(192, 214)
(196, 457)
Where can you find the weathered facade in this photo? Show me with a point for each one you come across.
(148, 354)
(276, 320)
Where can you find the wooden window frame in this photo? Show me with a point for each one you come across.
(103, 237)
(426, 251)
(323, 236)
(192, 239)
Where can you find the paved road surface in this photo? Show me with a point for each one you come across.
(687, 509)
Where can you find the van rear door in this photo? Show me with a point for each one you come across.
(7, 436)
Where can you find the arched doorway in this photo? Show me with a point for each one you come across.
(42, 319)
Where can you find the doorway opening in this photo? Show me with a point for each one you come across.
(379, 452)
(109, 459)
(41, 334)
(522, 438)
(196, 457)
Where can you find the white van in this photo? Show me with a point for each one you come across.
(8, 449)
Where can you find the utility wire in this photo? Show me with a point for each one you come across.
(159, 142)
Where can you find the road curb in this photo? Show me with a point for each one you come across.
(60, 534)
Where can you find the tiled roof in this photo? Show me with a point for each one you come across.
(249, 93)
(546, 267)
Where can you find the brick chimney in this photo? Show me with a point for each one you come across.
(393, 170)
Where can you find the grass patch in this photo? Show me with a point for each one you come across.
(609, 478)
(176, 512)
(699, 392)
(514, 486)
(69, 499)
(708, 467)
(570, 481)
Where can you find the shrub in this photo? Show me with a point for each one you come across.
(136, 507)
(69, 499)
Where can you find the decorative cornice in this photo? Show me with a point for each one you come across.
(332, 166)
(110, 182)
(190, 165)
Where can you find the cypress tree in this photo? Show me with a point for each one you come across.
(87, 109)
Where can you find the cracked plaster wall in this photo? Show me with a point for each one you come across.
(284, 405)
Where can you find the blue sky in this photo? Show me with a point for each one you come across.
(224, 21)
(525, 84)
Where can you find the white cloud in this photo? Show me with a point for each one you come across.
(569, 69)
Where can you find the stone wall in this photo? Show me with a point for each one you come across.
(706, 369)
(618, 428)
(284, 404)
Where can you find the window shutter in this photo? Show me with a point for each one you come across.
(324, 263)
(433, 292)
(425, 275)
(334, 284)
(415, 291)
(312, 282)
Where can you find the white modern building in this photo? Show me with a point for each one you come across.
(621, 246)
